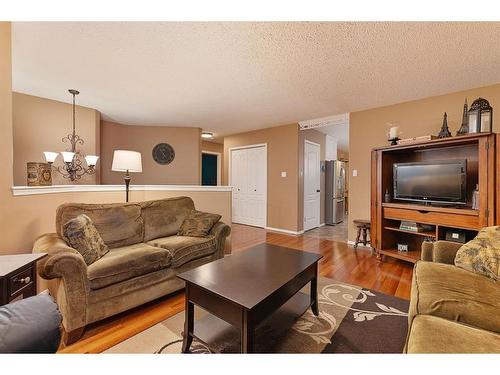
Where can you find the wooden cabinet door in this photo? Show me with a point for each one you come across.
(375, 205)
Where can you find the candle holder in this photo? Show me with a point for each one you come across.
(394, 141)
(393, 133)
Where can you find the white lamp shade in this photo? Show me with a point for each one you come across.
(50, 157)
(91, 160)
(68, 156)
(124, 160)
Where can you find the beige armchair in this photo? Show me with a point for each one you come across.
(452, 310)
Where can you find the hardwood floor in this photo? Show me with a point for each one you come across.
(340, 262)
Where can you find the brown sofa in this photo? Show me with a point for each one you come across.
(451, 310)
(144, 259)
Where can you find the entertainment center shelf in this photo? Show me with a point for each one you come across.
(428, 208)
(423, 233)
(433, 221)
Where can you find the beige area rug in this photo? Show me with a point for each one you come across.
(351, 320)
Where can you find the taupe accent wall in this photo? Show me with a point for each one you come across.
(320, 138)
(40, 124)
(416, 118)
(282, 156)
(212, 146)
(185, 169)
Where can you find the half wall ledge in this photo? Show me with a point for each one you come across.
(39, 190)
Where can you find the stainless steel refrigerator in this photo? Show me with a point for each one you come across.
(334, 191)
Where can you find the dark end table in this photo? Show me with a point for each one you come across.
(246, 288)
(18, 278)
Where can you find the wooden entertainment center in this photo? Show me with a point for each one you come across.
(478, 149)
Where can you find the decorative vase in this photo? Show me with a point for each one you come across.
(38, 174)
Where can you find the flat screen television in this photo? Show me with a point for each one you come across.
(442, 181)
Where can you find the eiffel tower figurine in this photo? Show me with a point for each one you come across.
(464, 128)
(445, 132)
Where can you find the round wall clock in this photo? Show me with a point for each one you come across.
(163, 153)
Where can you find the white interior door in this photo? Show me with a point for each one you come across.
(249, 181)
(312, 183)
(237, 183)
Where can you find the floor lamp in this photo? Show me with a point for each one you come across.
(127, 161)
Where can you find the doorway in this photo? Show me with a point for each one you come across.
(210, 168)
(312, 183)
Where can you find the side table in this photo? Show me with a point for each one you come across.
(18, 276)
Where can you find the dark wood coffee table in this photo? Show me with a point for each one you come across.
(246, 288)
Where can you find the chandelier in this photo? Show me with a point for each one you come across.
(73, 168)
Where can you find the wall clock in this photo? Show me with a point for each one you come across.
(163, 153)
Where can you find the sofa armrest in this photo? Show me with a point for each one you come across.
(220, 231)
(440, 251)
(67, 272)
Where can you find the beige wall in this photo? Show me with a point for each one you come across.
(282, 155)
(31, 216)
(421, 117)
(320, 138)
(23, 218)
(184, 170)
(39, 125)
(214, 147)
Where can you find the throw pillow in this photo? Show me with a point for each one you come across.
(81, 234)
(198, 224)
(482, 254)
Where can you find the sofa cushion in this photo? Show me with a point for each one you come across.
(429, 334)
(482, 254)
(164, 217)
(118, 224)
(184, 249)
(126, 262)
(198, 224)
(452, 293)
(81, 234)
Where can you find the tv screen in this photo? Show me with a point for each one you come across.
(436, 181)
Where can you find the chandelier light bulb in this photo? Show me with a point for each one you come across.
(91, 160)
(50, 157)
(67, 156)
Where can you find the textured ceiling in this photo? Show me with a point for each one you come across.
(232, 77)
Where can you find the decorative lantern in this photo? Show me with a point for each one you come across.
(480, 116)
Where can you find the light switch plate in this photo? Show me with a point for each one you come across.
(354, 173)
(283, 174)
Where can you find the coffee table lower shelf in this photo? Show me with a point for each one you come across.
(212, 331)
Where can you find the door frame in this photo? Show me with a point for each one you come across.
(304, 185)
(230, 150)
(219, 166)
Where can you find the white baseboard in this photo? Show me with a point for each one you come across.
(351, 243)
(286, 231)
(321, 225)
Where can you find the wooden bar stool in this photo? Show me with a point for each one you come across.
(363, 230)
